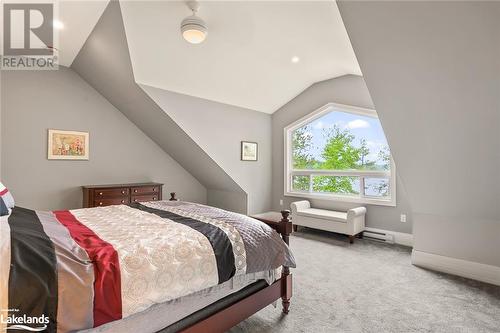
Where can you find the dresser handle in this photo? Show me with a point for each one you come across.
(154, 198)
(123, 192)
(100, 193)
(123, 201)
(135, 191)
(100, 203)
(135, 200)
(154, 189)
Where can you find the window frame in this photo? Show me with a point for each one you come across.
(363, 199)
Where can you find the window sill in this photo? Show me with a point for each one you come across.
(342, 198)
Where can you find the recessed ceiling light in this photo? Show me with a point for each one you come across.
(295, 59)
(58, 24)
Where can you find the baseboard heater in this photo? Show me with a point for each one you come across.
(379, 236)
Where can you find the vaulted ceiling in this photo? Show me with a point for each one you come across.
(246, 59)
(112, 76)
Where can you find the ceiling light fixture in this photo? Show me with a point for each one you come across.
(58, 24)
(295, 59)
(194, 30)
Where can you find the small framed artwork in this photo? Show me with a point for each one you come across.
(249, 151)
(68, 145)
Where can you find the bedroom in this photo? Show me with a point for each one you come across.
(237, 111)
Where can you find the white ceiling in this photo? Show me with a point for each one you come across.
(79, 19)
(246, 59)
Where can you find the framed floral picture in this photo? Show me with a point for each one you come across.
(68, 145)
(249, 151)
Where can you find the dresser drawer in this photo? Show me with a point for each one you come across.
(143, 198)
(110, 193)
(144, 190)
(110, 201)
(116, 194)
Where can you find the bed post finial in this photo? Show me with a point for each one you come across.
(285, 214)
(172, 197)
(286, 228)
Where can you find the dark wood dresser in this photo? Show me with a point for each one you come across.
(118, 194)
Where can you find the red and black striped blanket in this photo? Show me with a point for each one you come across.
(71, 270)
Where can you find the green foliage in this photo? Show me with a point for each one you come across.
(335, 184)
(302, 158)
(384, 155)
(339, 153)
(300, 183)
(382, 188)
(302, 144)
(364, 151)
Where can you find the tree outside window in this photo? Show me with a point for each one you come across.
(341, 153)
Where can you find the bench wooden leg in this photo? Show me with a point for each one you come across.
(351, 239)
(295, 227)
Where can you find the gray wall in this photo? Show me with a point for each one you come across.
(104, 62)
(228, 200)
(34, 101)
(218, 129)
(2, 102)
(349, 90)
(433, 70)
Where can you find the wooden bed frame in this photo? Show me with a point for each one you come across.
(230, 316)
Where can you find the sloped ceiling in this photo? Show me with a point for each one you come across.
(104, 62)
(246, 59)
(218, 130)
(433, 72)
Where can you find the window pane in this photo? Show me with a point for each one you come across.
(300, 183)
(336, 184)
(341, 141)
(377, 187)
(302, 148)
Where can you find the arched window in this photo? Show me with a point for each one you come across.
(340, 153)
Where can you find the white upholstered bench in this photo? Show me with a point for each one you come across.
(349, 223)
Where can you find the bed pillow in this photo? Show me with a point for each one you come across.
(6, 200)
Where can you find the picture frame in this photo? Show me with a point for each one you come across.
(67, 145)
(249, 151)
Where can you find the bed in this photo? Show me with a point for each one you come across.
(162, 266)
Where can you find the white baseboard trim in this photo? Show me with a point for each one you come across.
(464, 268)
(399, 237)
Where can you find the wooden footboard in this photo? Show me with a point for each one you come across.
(284, 227)
(282, 288)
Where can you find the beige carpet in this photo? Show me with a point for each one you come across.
(372, 287)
